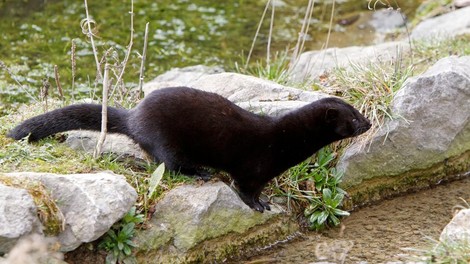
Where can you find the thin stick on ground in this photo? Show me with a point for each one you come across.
(142, 64)
(299, 46)
(268, 47)
(129, 47)
(104, 114)
(57, 81)
(331, 25)
(74, 65)
(86, 29)
(257, 33)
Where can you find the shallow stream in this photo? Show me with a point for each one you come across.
(390, 231)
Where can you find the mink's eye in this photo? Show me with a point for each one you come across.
(354, 120)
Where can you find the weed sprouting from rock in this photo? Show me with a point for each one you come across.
(314, 185)
(118, 240)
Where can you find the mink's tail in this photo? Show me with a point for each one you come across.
(80, 116)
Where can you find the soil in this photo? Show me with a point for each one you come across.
(390, 231)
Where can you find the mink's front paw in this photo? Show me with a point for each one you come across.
(265, 205)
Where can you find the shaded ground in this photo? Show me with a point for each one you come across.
(380, 233)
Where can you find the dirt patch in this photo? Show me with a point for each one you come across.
(380, 233)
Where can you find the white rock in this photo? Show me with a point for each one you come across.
(432, 125)
(115, 143)
(180, 77)
(387, 20)
(443, 26)
(313, 64)
(18, 216)
(34, 249)
(458, 230)
(90, 203)
(254, 94)
(461, 3)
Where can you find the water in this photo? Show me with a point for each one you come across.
(38, 34)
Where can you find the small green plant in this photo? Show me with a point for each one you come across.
(324, 210)
(314, 185)
(118, 240)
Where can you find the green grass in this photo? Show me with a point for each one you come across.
(118, 240)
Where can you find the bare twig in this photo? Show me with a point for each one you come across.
(142, 65)
(104, 114)
(57, 81)
(86, 25)
(268, 47)
(129, 47)
(74, 65)
(299, 46)
(44, 92)
(257, 33)
(331, 24)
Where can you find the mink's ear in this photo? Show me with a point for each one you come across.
(331, 115)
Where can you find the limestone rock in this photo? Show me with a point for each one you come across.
(254, 94)
(90, 203)
(115, 143)
(313, 64)
(461, 3)
(243, 88)
(18, 216)
(444, 26)
(180, 77)
(458, 230)
(189, 215)
(432, 126)
(387, 20)
(33, 249)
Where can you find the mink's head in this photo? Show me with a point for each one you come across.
(343, 119)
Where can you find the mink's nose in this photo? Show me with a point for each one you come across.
(366, 126)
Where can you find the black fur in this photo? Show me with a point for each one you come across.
(189, 129)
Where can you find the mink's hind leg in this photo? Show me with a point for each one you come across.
(188, 170)
(205, 175)
(250, 196)
(182, 166)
